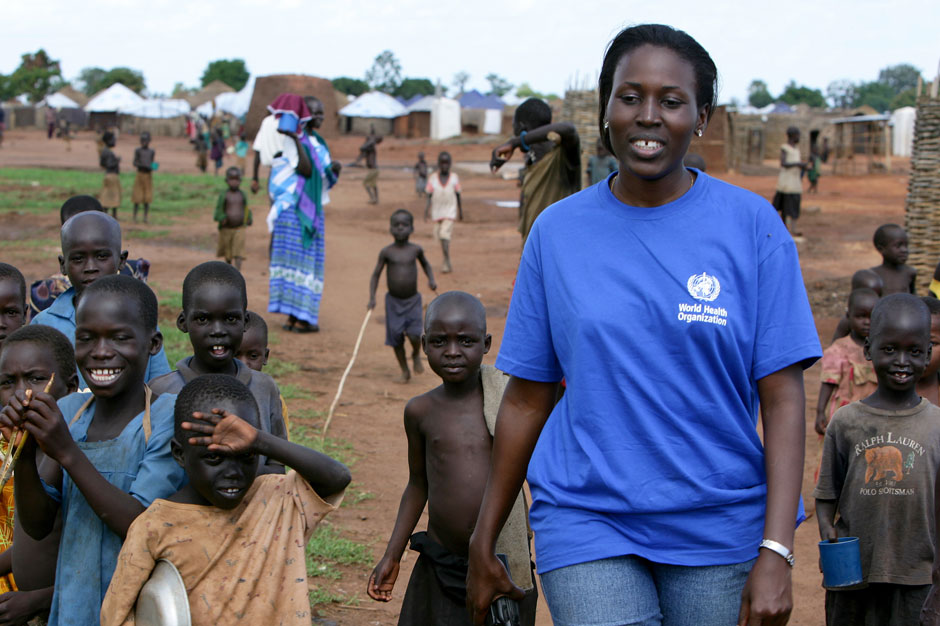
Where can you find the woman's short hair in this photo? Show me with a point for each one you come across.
(680, 42)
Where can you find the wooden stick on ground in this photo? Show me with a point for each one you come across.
(342, 381)
(12, 457)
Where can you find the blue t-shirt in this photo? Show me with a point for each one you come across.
(61, 316)
(133, 462)
(661, 320)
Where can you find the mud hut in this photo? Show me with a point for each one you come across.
(267, 88)
(922, 207)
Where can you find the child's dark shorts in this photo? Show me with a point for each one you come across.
(878, 604)
(403, 316)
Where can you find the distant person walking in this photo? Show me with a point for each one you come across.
(789, 186)
(50, 122)
(552, 159)
(367, 151)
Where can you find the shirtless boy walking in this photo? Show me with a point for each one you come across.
(403, 310)
(449, 444)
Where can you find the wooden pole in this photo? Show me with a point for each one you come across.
(342, 380)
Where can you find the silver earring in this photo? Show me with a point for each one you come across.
(606, 125)
(698, 132)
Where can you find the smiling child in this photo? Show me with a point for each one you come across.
(91, 249)
(237, 540)
(215, 316)
(107, 451)
(449, 442)
(879, 473)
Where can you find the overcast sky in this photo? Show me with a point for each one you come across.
(551, 44)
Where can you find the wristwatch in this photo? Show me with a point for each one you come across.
(780, 549)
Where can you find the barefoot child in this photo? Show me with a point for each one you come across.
(12, 301)
(233, 215)
(420, 172)
(143, 179)
(238, 540)
(929, 384)
(33, 355)
(443, 204)
(891, 242)
(110, 195)
(403, 301)
(879, 473)
(847, 376)
(214, 315)
(91, 249)
(107, 450)
(449, 439)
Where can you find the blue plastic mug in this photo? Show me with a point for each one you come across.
(841, 562)
(287, 121)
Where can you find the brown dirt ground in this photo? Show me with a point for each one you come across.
(838, 226)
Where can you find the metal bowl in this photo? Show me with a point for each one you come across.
(163, 600)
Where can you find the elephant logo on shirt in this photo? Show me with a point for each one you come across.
(882, 460)
(703, 287)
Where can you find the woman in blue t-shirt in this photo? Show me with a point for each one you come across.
(672, 304)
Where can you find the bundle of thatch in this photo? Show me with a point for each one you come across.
(922, 208)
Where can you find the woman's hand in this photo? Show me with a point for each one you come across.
(224, 432)
(487, 580)
(382, 580)
(337, 167)
(767, 598)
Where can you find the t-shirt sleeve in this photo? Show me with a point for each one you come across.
(134, 565)
(158, 475)
(312, 507)
(527, 350)
(785, 333)
(832, 363)
(833, 466)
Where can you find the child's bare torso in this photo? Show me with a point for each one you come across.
(234, 209)
(457, 462)
(401, 273)
(898, 279)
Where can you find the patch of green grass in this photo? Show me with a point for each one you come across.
(290, 391)
(171, 298)
(277, 368)
(145, 234)
(309, 436)
(320, 596)
(327, 549)
(175, 342)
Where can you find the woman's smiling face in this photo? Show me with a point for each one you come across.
(652, 111)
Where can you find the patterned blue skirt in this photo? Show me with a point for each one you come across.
(296, 276)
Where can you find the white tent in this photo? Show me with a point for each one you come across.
(903, 134)
(374, 104)
(157, 109)
(117, 97)
(445, 118)
(58, 101)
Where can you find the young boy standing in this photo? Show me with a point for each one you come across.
(143, 179)
(214, 315)
(879, 473)
(91, 249)
(420, 172)
(110, 195)
(443, 204)
(403, 301)
(233, 215)
(891, 242)
(237, 540)
(449, 433)
(107, 451)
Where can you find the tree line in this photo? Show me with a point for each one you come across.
(894, 88)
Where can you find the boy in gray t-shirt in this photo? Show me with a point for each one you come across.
(879, 470)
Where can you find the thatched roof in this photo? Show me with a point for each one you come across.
(209, 92)
(74, 95)
(267, 88)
